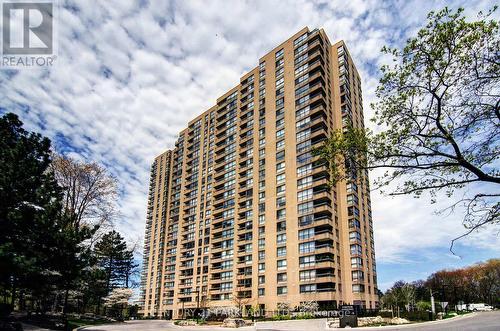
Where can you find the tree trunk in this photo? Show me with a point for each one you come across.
(65, 307)
(98, 306)
(13, 294)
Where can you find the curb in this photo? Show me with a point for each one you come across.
(397, 327)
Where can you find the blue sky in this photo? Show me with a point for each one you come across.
(131, 74)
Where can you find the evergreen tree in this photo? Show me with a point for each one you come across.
(115, 260)
(30, 203)
(40, 250)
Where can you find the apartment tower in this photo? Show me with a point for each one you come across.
(240, 212)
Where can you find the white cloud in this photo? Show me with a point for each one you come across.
(168, 61)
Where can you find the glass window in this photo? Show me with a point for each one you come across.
(281, 290)
(281, 277)
(307, 275)
(304, 182)
(307, 247)
(305, 195)
(281, 264)
(306, 234)
(280, 133)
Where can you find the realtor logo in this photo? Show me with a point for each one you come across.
(27, 28)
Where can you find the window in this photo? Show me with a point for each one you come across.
(226, 275)
(307, 247)
(302, 100)
(356, 262)
(305, 208)
(262, 267)
(304, 170)
(302, 90)
(280, 214)
(358, 288)
(262, 280)
(306, 220)
(306, 234)
(280, 144)
(301, 69)
(301, 113)
(356, 249)
(354, 235)
(281, 277)
(280, 178)
(280, 103)
(281, 264)
(280, 202)
(280, 122)
(301, 49)
(301, 58)
(307, 261)
(358, 275)
(303, 123)
(304, 182)
(302, 78)
(303, 135)
(305, 146)
(279, 53)
(308, 288)
(262, 219)
(279, 71)
(304, 158)
(281, 251)
(280, 133)
(280, 82)
(307, 275)
(280, 189)
(280, 156)
(280, 166)
(281, 239)
(281, 290)
(305, 195)
(351, 187)
(261, 292)
(280, 63)
(300, 39)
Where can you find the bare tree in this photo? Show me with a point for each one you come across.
(90, 192)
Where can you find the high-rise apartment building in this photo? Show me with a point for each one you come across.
(240, 212)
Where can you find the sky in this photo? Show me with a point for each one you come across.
(129, 75)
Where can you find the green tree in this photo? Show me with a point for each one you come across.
(30, 203)
(438, 110)
(115, 259)
(39, 249)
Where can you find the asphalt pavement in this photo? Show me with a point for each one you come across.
(480, 321)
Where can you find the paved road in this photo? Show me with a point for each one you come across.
(155, 325)
(484, 321)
